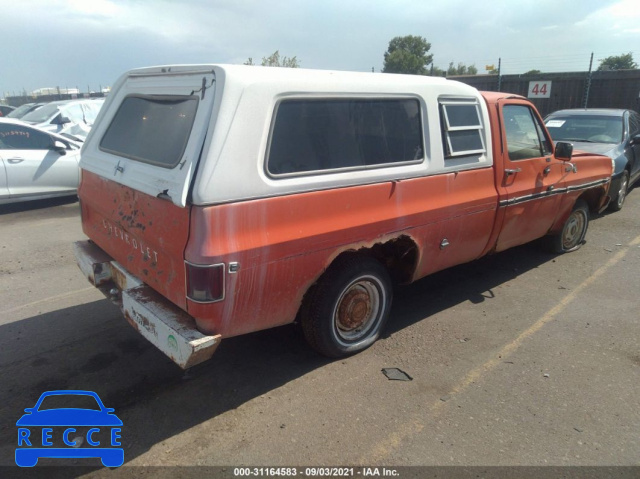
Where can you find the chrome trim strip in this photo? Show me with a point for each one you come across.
(535, 196)
(589, 185)
(544, 194)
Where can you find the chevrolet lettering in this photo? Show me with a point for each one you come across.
(116, 232)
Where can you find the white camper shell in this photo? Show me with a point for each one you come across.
(228, 138)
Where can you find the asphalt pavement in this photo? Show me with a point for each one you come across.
(519, 359)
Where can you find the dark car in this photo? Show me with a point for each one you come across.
(615, 133)
(5, 110)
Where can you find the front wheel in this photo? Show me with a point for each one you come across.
(573, 231)
(616, 204)
(346, 310)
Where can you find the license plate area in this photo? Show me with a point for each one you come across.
(122, 278)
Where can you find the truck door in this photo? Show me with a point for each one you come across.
(531, 179)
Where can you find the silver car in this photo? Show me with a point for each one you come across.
(36, 164)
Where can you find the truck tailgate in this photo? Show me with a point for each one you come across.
(146, 235)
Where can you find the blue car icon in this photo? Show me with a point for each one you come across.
(86, 432)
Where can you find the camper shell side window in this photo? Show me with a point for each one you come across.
(462, 128)
(314, 136)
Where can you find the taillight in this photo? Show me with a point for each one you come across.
(205, 283)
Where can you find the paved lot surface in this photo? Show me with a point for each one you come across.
(522, 358)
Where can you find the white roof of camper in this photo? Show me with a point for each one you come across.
(260, 74)
(240, 107)
(232, 167)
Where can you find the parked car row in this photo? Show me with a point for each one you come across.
(612, 132)
(40, 148)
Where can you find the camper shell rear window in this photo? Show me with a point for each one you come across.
(152, 129)
(326, 135)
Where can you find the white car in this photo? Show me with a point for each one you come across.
(36, 164)
(73, 117)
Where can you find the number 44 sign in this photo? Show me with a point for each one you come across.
(539, 89)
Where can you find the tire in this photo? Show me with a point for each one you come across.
(618, 202)
(573, 231)
(348, 307)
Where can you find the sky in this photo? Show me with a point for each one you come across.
(88, 44)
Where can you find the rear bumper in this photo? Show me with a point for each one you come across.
(166, 326)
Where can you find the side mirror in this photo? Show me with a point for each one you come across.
(563, 151)
(29, 410)
(635, 140)
(60, 120)
(60, 147)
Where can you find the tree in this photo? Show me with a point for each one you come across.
(274, 60)
(461, 69)
(620, 62)
(533, 72)
(407, 54)
(437, 72)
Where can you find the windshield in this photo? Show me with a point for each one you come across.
(42, 114)
(593, 129)
(21, 110)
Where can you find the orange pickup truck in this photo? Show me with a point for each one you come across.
(221, 200)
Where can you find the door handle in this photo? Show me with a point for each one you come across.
(570, 167)
(510, 172)
(13, 161)
(546, 171)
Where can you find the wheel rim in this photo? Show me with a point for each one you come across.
(359, 309)
(574, 229)
(622, 193)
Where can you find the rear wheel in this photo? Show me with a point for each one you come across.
(573, 231)
(348, 307)
(618, 202)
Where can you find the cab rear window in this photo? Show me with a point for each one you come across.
(152, 129)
